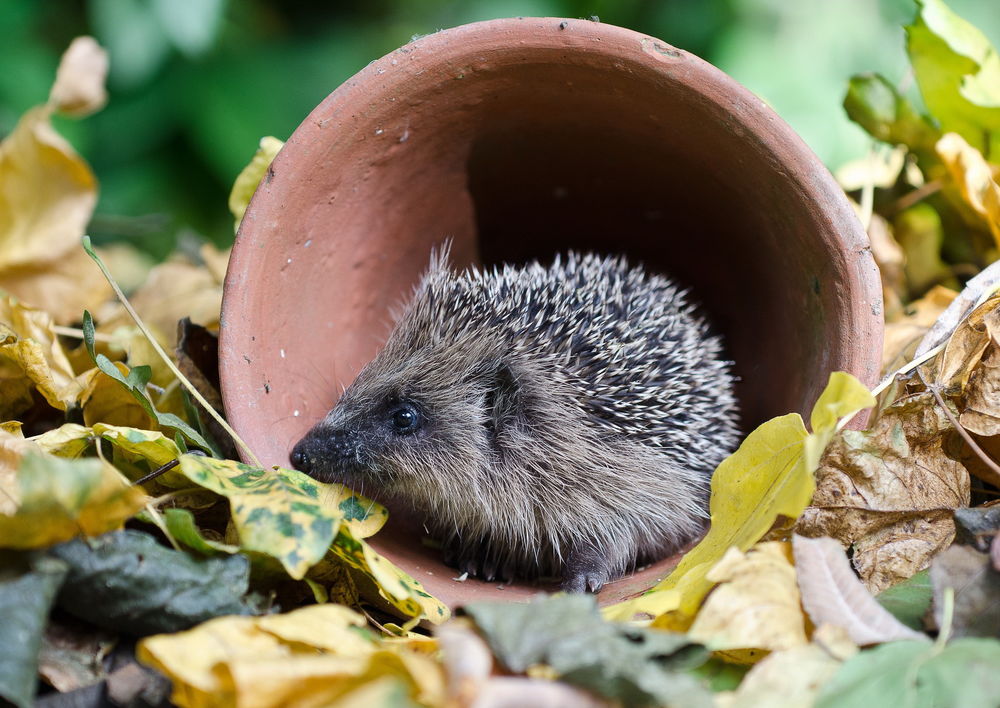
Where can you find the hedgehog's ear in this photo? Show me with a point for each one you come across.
(502, 394)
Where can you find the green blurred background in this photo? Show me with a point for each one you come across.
(194, 84)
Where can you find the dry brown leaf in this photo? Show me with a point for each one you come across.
(756, 606)
(890, 492)
(981, 414)
(977, 288)
(966, 346)
(906, 330)
(974, 178)
(832, 594)
(79, 87)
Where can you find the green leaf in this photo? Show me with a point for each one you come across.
(909, 600)
(962, 674)
(180, 523)
(633, 665)
(127, 582)
(958, 73)
(874, 103)
(136, 380)
(25, 599)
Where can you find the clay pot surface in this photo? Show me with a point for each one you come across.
(519, 139)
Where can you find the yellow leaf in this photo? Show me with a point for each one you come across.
(770, 475)
(31, 358)
(47, 195)
(68, 440)
(54, 499)
(644, 608)
(790, 678)
(247, 181)
(314, 656)
(756, 606)
(974, 177)
(79, 87)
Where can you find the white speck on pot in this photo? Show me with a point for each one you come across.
(296, 414)
(307, 244)
(379, 131)
(282, 352)
(289, 260)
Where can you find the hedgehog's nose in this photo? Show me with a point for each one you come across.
(299, 459)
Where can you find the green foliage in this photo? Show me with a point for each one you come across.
(26, 594)
(135, 382)
(629, 664)
(962, 674)
(909, 600)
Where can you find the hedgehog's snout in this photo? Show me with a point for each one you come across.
(325, 450)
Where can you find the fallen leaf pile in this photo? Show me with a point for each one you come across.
(843, 567)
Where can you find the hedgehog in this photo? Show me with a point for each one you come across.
(545, 422)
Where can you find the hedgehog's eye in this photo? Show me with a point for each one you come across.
(405, 419)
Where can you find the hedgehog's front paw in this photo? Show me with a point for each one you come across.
(477, 559)
(587, 569)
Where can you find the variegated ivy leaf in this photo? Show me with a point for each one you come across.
(394, 584)
(277, 512)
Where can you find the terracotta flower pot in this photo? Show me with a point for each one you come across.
(518, 139)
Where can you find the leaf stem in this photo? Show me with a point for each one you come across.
(78, 333)
(166, 358)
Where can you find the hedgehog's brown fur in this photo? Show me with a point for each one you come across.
(565, 420)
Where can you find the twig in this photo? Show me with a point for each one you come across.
(166, 358)
(157, 472)
(914, 196)
(973, 445)
(78, 333)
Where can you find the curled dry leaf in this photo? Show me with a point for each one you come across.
(756, 605)
(832, 594)
(981, 413)
(974, 177)
(79, 87)
(31, 358)
(966, 346)
(466, 659)
(47, 195)
(890, 492)
(906, 331)
(976, 289)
